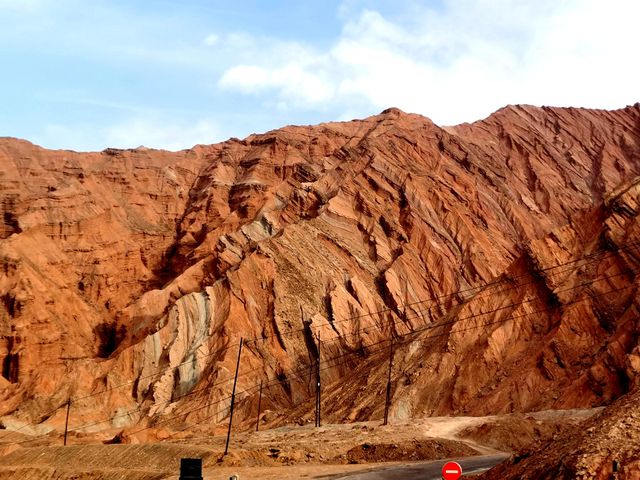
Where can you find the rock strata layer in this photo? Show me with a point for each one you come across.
(501, 256)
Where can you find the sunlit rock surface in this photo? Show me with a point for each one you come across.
(128, 277)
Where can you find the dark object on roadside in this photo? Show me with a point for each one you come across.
(117, 440)
(190, 469)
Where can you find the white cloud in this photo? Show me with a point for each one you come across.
(247, 78)
(211, 40)
(132, 133)
(239, 41)
(294, 81)
(459, 63)
(587, 56)
(168, 136)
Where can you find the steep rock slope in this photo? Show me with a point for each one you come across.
(83, 236)
(142, 269)
(559, 329)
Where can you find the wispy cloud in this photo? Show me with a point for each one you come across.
(459, 62)
(166, 135)
(132, 133)
(211, 39)
(123, 74)
(296, 83)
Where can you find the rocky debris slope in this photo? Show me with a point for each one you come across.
(132, 275)
(602, 448)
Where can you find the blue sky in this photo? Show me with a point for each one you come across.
(87, 74)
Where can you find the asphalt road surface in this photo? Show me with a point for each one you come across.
(428, 470)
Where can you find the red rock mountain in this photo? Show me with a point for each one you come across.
(502, 257)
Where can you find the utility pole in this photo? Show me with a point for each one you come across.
(66, 422)
(259, 405)
(387, 402)
(318, 394)
(233, 399)
(406, 302)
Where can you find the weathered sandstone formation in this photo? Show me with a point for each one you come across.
(508, 246)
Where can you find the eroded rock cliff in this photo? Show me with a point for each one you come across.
(507, 246)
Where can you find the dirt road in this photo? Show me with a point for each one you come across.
(362, 450)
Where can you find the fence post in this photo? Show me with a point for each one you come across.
(233, 399)
(259, 405)
(318, 390)
(66, 422)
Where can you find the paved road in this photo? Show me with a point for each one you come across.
(427, 470)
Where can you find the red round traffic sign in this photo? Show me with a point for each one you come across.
(451, 471)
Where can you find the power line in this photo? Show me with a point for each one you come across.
(461, 291)
(46, 415)
(495, 310)
(277, 381)
(351, 318)
(549, 309)
(403, 338)
(274, 382)
(122, 385)
(431, 326)
(406, 336)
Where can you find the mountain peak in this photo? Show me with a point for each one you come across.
(393, 111)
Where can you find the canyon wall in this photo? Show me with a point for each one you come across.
(501, 256)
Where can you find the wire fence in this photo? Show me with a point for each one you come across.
(391, 335)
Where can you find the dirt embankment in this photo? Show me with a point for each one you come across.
(288, 452)
(412, 451)
(604, 447)
(510, 433)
